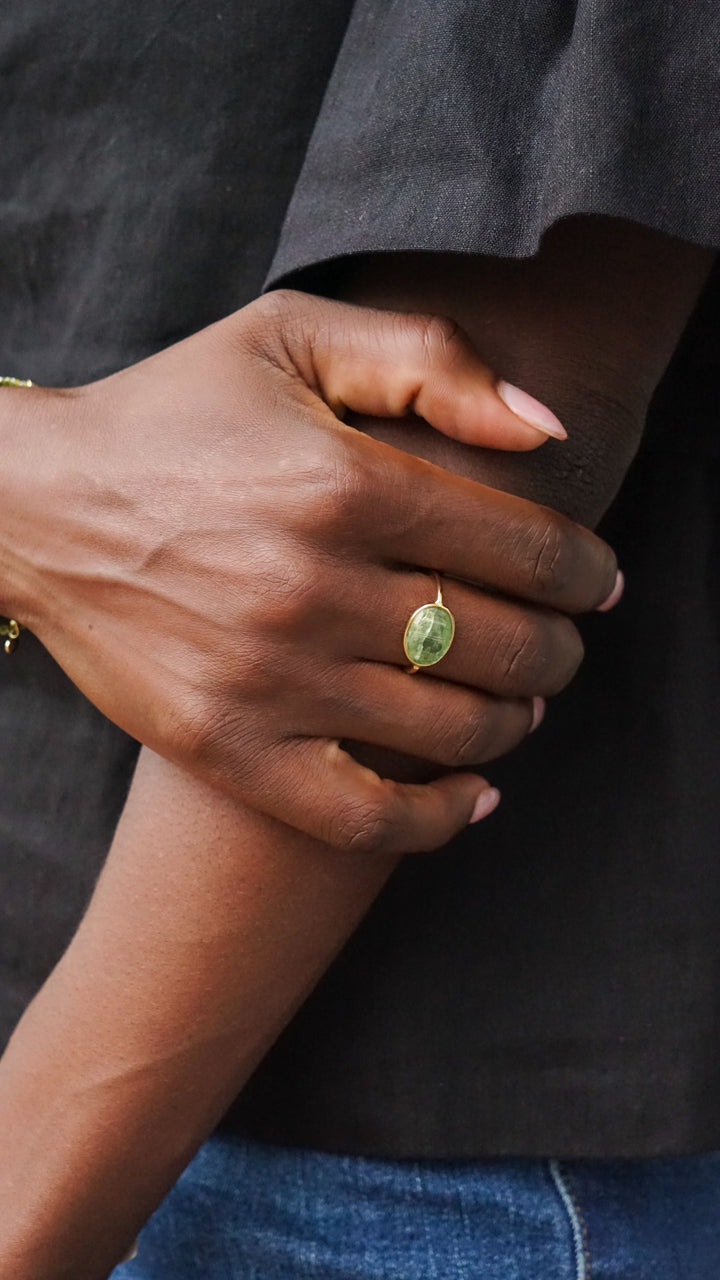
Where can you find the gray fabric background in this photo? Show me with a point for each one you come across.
(473, 125)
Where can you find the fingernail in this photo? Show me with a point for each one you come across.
(531, 410)
(485, 803)
(538, 713)
(615, 594)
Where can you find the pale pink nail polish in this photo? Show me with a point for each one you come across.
(531, 410)
(538, 713)
(485, 803)
(615, 594)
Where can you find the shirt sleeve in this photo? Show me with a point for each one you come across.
(472, 125)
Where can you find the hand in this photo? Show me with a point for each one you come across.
(226, 569)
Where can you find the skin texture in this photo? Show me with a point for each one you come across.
(207, 550)
(230, 929)
(211, 922)
(588, 326)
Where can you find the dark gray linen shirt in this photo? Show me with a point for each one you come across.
(551, 984)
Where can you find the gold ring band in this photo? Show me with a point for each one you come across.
(429, 633)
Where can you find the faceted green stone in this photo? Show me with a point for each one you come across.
(429, 634)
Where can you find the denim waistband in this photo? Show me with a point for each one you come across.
(245, 1211)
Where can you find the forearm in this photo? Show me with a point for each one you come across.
(208, 927)
(210, 923)
(588, 326)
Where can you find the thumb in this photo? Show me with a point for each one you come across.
(345, 804)
(388, 364)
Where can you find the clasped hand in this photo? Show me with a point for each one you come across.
(226, 569)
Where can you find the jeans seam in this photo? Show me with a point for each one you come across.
(578, 1225)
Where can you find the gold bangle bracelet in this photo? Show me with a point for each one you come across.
(8, 626)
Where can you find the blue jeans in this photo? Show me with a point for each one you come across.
(242, 1211)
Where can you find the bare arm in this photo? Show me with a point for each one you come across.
(588, 326)
(211, 923)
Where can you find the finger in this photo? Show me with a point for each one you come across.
(388, 364)
(426, 718)
(499, 646)
(414, 513)
(330, 796)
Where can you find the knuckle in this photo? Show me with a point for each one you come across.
(275, 308)
(521, 658)
(338, 490)
(549, 558)
(565, 565)
(196, 729)
(279, 326)
(292, 597)
(463, 739)
(499, 726)
(261, 326)
(218, 731)
(362, 827)
(439, 336)
(539, 656)
(258, 680)
(344, 490)
(331, 492)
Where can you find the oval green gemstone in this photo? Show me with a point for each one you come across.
(429, 634)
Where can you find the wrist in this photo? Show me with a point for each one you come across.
(35, 426)
(19, 420)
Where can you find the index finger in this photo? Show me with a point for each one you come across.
(422, 515)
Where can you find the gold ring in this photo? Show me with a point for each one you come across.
(429, 633)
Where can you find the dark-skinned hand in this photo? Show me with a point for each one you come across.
(226, 569)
